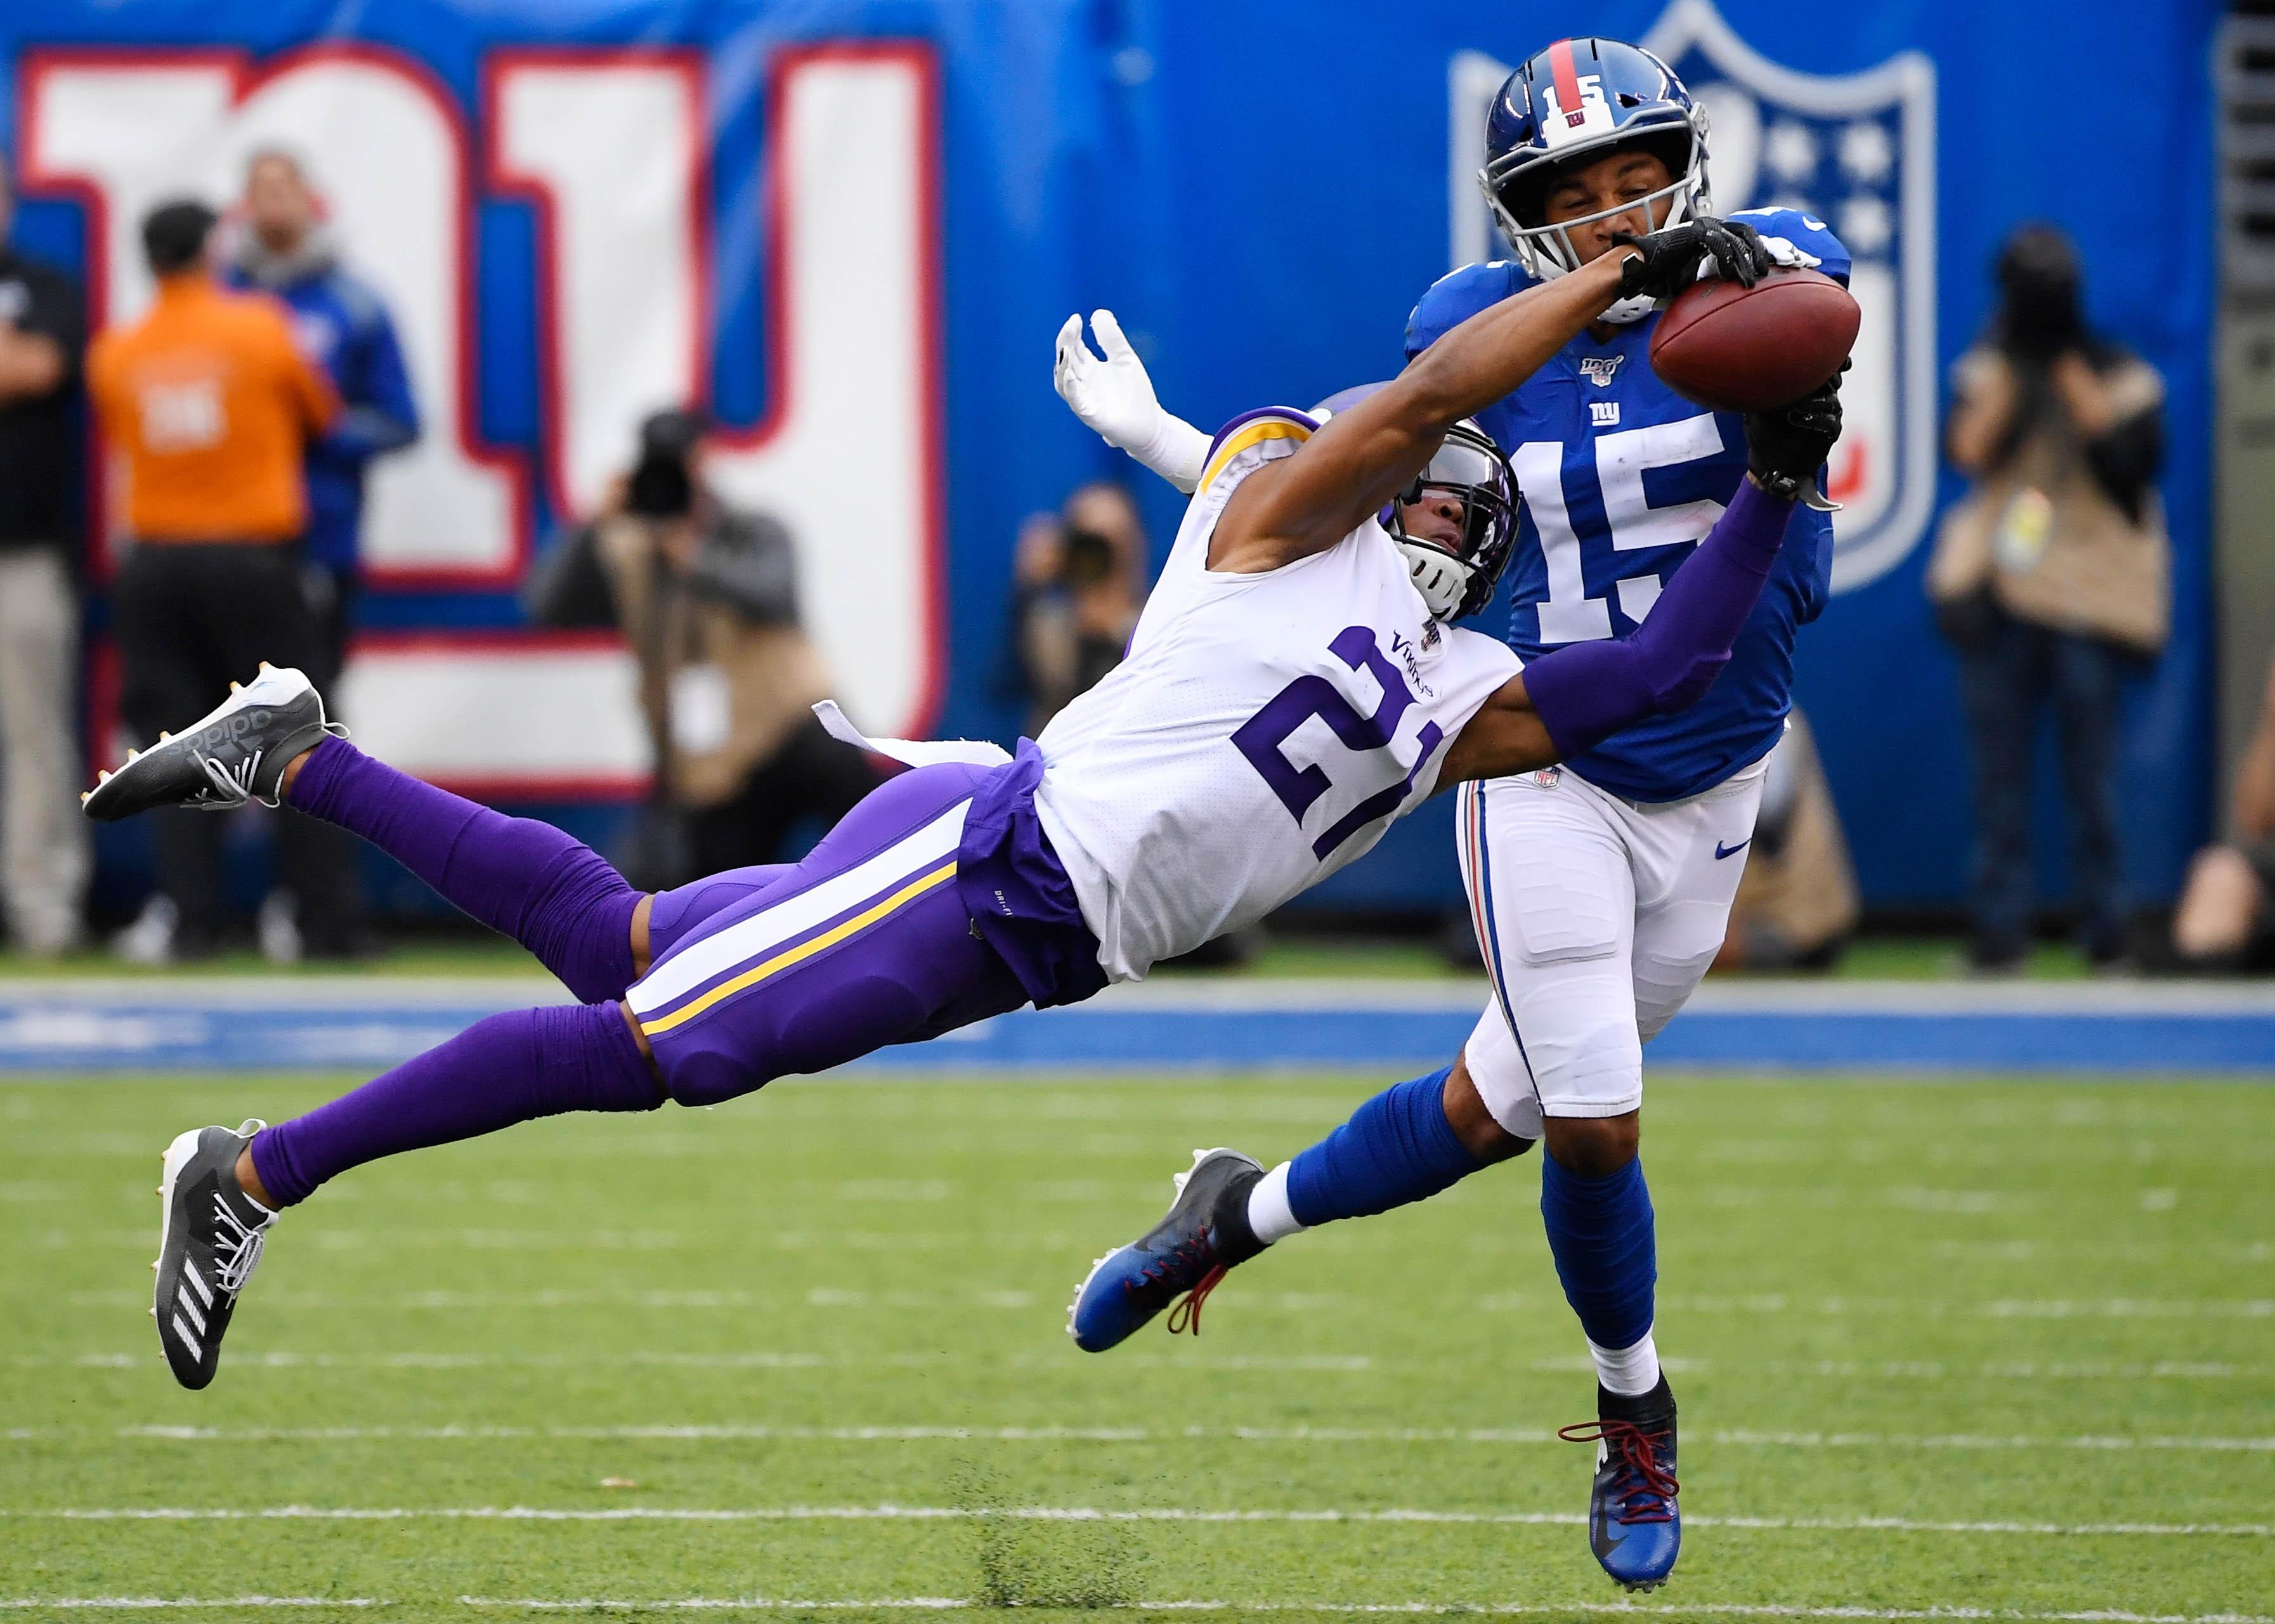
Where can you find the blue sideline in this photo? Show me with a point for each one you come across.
(57, 1029)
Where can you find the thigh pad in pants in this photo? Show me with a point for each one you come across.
(865, 943)
(1553, 897)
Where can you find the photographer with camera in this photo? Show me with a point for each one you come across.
(2049, 579)
(707, 599)
(1075, 596)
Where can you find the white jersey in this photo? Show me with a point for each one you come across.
(1264, 730)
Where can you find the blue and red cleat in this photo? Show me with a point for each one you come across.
(1633, 1525)
(1205, 1233)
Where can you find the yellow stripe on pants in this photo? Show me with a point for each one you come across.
(830, 938)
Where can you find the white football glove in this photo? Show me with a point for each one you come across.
(1115, 398)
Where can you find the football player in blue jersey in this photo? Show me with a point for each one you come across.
(1600, 890)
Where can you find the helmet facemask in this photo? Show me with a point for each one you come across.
(1517, 185)
(1457, 579)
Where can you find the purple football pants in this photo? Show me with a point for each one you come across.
(866, 942)
(756, 973)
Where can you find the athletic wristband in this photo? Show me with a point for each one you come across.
(1175, 450)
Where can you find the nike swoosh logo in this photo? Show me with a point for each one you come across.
(1721, 851)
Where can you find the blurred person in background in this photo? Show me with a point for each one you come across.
(2223, 922)
(2050, 579)
(1079, 587)
(1798, 903)
(208, 407)
(286, 249)
(43, 848)
(707, 598)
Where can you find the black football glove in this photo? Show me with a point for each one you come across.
(1666, 262)
(1785, 447)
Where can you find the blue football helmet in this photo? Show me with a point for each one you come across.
(1574, 102)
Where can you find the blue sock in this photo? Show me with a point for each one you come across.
(1397, 1148)
(1600, 1231)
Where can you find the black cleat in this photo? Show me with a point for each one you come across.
(1634, 1522)
(210, 1237)
(1205, 1233)
(236, 753)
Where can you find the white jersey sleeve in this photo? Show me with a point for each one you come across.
(1264, 730)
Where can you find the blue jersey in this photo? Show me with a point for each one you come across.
(1620, 478)
(344, 329)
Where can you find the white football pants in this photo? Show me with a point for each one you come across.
(1598, 917)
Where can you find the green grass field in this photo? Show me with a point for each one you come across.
(1974, 1345)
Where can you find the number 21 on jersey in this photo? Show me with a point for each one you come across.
(1261, 736)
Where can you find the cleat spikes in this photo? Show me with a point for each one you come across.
(163, 736)
(233, 687)
(266, 667)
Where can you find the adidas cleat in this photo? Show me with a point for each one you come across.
(236, 753)
(210, 1237)
(1634, 1526)
(1205, 1233)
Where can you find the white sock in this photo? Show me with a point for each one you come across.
(1269, 1215)
(1630, 1372)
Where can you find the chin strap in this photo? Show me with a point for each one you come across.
(1442, 580)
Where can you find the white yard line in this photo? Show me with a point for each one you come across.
(886, 1432)
(137, 1604)
(933, 1604)
(1764, 1304)
(1764, 1610)
(1090, 1513)
(926, 1604)
(1836, 1370)
(427, 996)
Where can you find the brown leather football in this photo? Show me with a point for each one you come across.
(1736, 348)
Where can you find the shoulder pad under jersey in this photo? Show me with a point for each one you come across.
(1277, 430)
(1806, 233)
(1457, 296)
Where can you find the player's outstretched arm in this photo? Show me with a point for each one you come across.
(1572, 700)
(1305, 503)
(1114, 397)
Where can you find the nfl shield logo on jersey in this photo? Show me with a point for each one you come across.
(1600, 369)
(1856, 151)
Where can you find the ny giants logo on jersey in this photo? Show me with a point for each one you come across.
(1855, 151)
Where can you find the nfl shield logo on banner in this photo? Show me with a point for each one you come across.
(1856, 151)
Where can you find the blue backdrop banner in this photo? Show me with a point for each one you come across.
(853, 227)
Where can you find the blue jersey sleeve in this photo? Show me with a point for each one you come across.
(1457, 296)
(1805, 231)
(381, 414)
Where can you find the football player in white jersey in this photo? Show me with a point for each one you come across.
(1600, 890)
(1292, 687)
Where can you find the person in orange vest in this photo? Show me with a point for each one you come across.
(207, 406)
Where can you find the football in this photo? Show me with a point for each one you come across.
(1739, 349)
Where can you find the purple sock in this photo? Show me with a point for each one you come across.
(555, 896)
(1584, 692)
(510, 1068)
